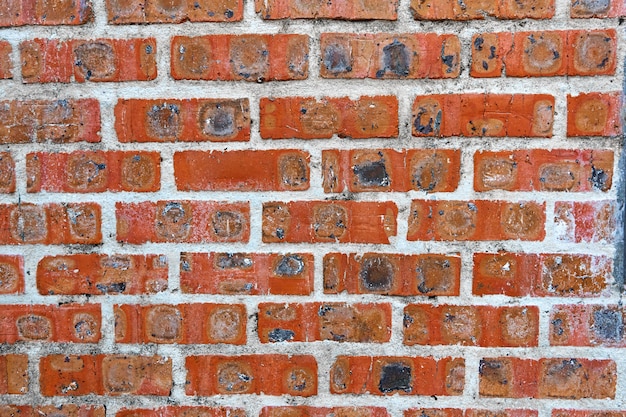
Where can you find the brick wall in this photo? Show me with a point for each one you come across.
(290, 208)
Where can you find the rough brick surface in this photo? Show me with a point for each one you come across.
(155, 11)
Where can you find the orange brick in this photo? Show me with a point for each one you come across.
(246, 274)
(13, 374)
(470, 412)
(97, 274)
(250, 170)
(307, 411)
(113, 60)
(594, 114)
(492, 115)
(587, 325)
(54, 121)
(182, 411)
(7, 173)
(192, 120)
(585, 221)
(121, 12)
(323, 221)
(309, 118)
(476, 220)
(93, 171)
(35, 323)
(388, 170)
(64, 410)
(339, 322)
(499, 9)
(345, 10)
(387, 55)
(543, 170)
(6, 66)
(584, 9)
(425, 324)
(392, 274)
(387, 375)
(255, 58)
(182, 221)
(43, 12)
(252, 374)
(51, 224)
(11, 274)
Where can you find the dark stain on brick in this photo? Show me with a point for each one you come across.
(289, 266)
(280, 335)
(233, 261)
(395, 377)
(608, 324)
(372, 174)
(599, 178)
(396, 59)
(337, 59)
(377, 274)
(112, 288)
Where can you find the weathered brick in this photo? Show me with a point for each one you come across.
(182, 221)
(93, 171)
(42, 12)
(392, 274)
(541, 275)
(310, 118)
(255, 58)
(339, 322)
(389, 170)
(308, 411)
(345, 10)
(543, 170)
(51, 224)
(182, 411)
(425, 324)
(494, 115)
(97, 274)
(587, 325)
(387, 375)
(476, 220)
(63, 410)
(594, 114)
(77, 375)
(585, 221)
(547, 378)
(6, 66)
(121, 12)
(7, 173)
(246, 273)
(470, 412)
(324, 221)
(191, 120)
(584, 9)
(55, 121)
(250, 170)
(499, 9)
(110, 60)
(78, 323)
(387, 55)
(13, 374)
(183, 324)
(11, 274)
(252, 374)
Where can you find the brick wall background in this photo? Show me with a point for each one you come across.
(303, 208)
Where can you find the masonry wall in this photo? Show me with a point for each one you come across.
(302, 208)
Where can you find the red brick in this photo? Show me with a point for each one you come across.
(55, 121)
(11, 274)
(43, 12)
(585, 221)
(250, 170)
(114, 60)
(7, 173)
(594, 114)
(425, 324)
(93, 171)
(255, 58)
(64, 410)
(13, 374)
(324, 221)
(470, 412)
(252, 374)
(182, 411)
(543, 170)
(308, 411)
(547, 378)
(182, 221)
(491, 115)
(65, 323)
(541, 275)
(587, 413)
(590, 8)
(392, 274)
(182, 324)
(504, 9)
(97, 274)
(246, 273)
(51, 224)
(387, 375)
(387, 55)
(310, 118)
(476, 220)
(587, 325)
(544, 54)
(389, 170)
(345, 10)
(77, 375)
(339, 322)
(121, 12)
(6, 66)
(191, 120)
